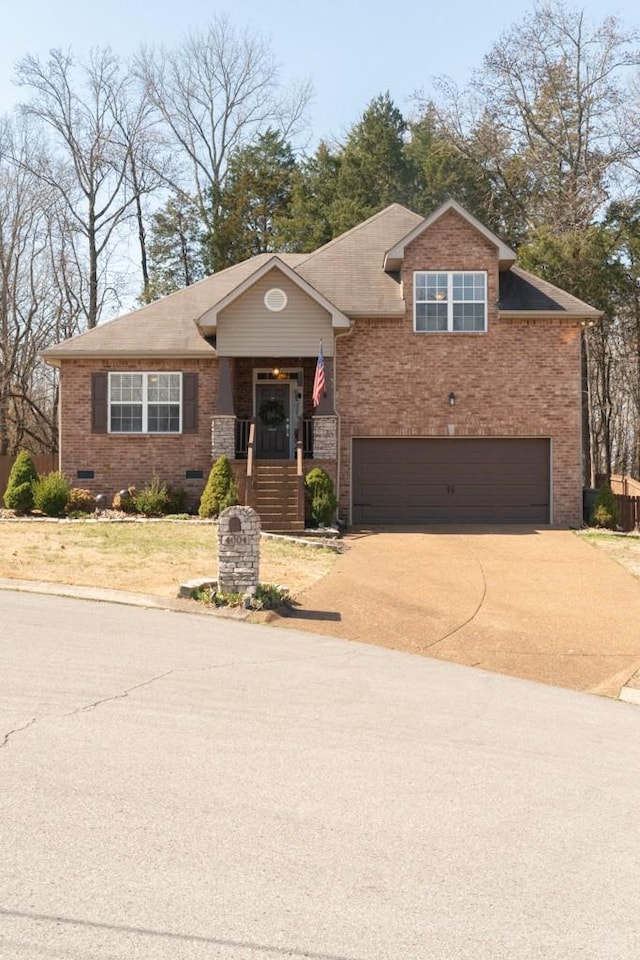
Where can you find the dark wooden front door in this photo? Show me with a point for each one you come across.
(273, 421)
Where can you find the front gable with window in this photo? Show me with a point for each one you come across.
(450, 302)
(450, 273)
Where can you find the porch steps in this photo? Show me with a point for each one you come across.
(275, 496)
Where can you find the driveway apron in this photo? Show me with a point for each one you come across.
(540, 604)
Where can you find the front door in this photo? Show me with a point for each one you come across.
(273, 421)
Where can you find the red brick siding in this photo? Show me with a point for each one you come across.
(521, 378)
(119, 461)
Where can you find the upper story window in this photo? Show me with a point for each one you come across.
(145, 402)
(450, 302)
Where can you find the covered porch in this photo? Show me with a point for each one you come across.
(267, 426)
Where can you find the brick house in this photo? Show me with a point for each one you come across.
(453, 388)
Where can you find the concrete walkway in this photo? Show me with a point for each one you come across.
(538, 604)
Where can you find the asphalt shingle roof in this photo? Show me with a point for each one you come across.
(348, 271)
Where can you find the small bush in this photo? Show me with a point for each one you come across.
(267, 597)
(605, 511)
(80, 501)
(51, 494)
(323, 500)
(125, 504)
(19, 493)
(176, 500)
(153, 500)
(221, 490)
(218, 598)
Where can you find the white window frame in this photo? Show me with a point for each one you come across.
(450, 274)
(145, 374)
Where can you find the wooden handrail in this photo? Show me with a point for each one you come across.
(300, 473)
(248, 496)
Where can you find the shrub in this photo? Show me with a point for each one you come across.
(125, 504)
(153, 500)
(221, 490)
(80, 501)
(51, 494)
(267, 597)
(19, 493)
(176, 500)
(605, 511)
(323, 499)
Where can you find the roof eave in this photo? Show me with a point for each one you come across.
(378, 314)
(588, 315)
(54, 357)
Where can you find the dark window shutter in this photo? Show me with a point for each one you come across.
(189, 402)
(99, 402)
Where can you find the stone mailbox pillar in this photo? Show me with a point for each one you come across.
(238, 550)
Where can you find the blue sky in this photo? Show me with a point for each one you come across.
(350, 51)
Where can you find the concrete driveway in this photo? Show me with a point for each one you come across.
(181, 787)
(534, 603)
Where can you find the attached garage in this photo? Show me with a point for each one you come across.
(455, 480)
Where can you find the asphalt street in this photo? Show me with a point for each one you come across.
(184, 786)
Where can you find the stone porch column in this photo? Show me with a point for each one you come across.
(325, 421)
(325, 438)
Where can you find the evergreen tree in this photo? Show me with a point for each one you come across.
(441, 171)
(374, 167)
(175, 249)
(253, 202)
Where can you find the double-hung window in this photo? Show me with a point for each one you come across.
(145, 402)
(448, 302)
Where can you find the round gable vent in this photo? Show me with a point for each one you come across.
(275, 299)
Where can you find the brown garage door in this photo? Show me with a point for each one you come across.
(450, 480)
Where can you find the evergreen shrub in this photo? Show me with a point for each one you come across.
(221, 490)
(323, 500)
(51, 494)
(605, 511)
(19, 493)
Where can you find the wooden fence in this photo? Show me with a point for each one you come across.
(629, 509)
(625, 486)
(45, 463)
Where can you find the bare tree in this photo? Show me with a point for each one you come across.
(37, 307)
(80, 107)
(548, 114)
(147, 162)
(214, 93)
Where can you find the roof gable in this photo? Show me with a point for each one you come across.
(395, 255)
(209, 319)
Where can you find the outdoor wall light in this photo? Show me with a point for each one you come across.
(452, 399)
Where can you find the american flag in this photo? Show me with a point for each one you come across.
(319, 381)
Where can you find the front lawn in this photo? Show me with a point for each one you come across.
(151, 558)
(625, 548)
